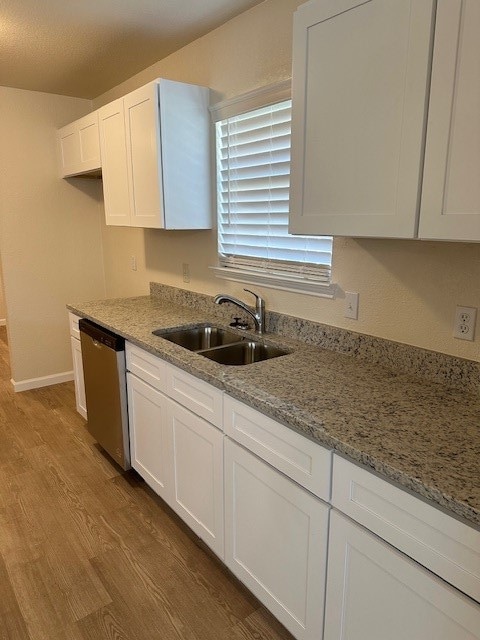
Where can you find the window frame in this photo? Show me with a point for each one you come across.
(286, 281)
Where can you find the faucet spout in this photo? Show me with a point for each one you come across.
(259, 314)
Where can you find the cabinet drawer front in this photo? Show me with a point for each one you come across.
(304, 461)
(146, 366)
(73, 321)
(441, 543)
(198, 396)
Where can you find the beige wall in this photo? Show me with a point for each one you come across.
(3, 310)
(408, 289)
(50, 232)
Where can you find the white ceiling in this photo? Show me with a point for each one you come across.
(85, 47)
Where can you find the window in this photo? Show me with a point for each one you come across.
(253, 179)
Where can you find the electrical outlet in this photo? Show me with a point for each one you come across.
(464, 327)
(186, 272)
(133, 263)
(351, 305)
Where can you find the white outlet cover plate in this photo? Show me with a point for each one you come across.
(465, 320)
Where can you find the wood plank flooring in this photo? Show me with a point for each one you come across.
(88, 552)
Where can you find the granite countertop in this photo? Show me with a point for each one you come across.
(422, 435)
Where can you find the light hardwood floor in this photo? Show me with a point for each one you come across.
(90, 553)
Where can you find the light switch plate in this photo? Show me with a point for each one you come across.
(351, 305)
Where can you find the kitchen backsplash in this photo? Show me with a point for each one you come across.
(403, 358)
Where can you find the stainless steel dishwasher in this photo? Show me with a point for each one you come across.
(103, 356)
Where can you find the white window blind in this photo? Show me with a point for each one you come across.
(253, 180)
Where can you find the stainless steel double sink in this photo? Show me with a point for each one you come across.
(221, 345)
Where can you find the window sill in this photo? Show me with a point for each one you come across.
(275, 281)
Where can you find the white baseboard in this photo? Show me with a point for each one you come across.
(45, 381)
(3, 322)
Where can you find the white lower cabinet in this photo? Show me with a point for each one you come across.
(80, 398)
(179, 454)
(197, 458)
(276, 541)
(374, 592)
(253, 495)
(78, 378)
(150, 440)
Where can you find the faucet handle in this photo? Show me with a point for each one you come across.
(259, 311)
(257, 297)
(259, 302)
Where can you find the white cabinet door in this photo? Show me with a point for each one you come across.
(360, 76)
(276, 541)
(150, 440)
(376, 593)
(114, 164)
(142, 126)
(69, 149)
(198, 475)
(79, 146)
(78, 379)
(450, 207)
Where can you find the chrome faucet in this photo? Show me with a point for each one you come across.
(258, 316)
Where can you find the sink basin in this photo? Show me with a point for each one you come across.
(199, 338)
(245, 352)
(221, 345)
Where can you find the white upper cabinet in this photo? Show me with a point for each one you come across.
(144, 157)
(450, 208)
(156, 157)
(360, 77)
(79, 147)
(362, 97)
(113, 143)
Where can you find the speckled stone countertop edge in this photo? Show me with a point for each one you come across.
(300, 421)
